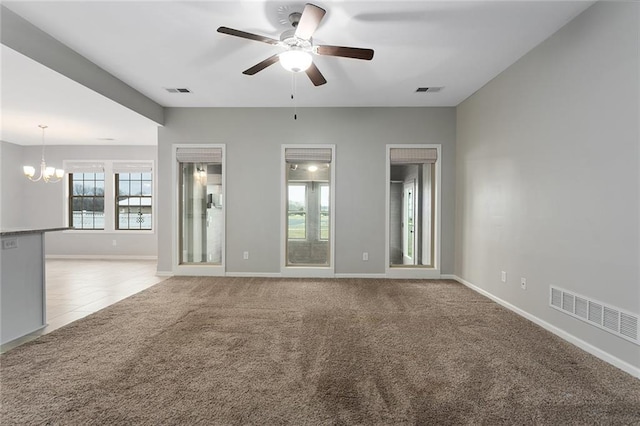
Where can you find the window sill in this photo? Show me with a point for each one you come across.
(112, 231)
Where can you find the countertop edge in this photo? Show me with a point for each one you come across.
(14, 232)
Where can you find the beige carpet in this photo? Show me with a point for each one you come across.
(286, 351)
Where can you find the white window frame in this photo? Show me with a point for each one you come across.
(204, 269)
(307, 271)
(109, 195)
(418, 271)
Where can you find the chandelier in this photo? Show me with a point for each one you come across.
(47, 174)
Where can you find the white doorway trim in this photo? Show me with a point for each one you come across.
(418, 271)
(204, 269)
(307, 271)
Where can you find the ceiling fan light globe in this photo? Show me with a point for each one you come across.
(295, 60)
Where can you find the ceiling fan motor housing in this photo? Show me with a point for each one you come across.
(294, 18)
(289, 39)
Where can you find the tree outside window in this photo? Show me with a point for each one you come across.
(86, 202)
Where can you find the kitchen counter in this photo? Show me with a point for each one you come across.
(22, 231)
(22, 282)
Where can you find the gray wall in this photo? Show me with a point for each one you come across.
(39, 205)
(11, 190)
(253, 138)
(547, 181)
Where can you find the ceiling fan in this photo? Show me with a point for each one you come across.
(298, 45)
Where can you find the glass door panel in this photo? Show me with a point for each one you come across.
(201, 218)
(308, 213)
(411, 196)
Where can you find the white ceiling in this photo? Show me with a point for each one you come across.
(154, 45)
(33, 94)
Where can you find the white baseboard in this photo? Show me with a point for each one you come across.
(100, 257)
(413, 273)
(279, 275)
(450, 277)
(369, 276)
(254, 274)
(597, 352)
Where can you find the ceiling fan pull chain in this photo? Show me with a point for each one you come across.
(293, 75)
(294, 96)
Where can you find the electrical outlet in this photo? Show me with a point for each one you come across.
(503, 277)
(114, 243)
(523, 283)
(245, 255)
(365, 255)
(10, 243)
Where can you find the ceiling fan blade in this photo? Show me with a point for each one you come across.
(309, 21)
(261, 65)
(250, 36)
(315, 75)
(346, 52)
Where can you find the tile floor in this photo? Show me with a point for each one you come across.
(77, 288)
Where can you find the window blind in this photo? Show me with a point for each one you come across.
(84, 166)
(199, 155)
(297, 155)
(413, 155)
(132, 167)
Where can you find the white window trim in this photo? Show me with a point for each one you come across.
(419, 271)
(307, 271)
(109, 198)
(205, 269)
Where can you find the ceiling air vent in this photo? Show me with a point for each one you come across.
(429, 89)
(177, 90)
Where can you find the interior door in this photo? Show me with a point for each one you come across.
(409, 246)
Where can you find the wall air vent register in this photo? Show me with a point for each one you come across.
(608, 318)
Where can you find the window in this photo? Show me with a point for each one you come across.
(133, 200)
(86, 200)
(297, 216)
(110, 195)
